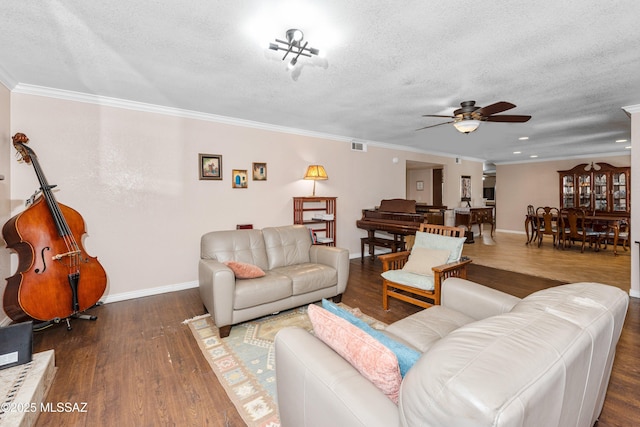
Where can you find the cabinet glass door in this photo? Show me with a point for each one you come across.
(600, 191)
(619, 190)
(568, 191)
(584, 191)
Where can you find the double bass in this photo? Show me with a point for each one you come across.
(55, 278)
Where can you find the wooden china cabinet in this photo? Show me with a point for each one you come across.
(600, 188)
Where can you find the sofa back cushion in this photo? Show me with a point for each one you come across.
(245, 246)
(545, 363)
(286, 245)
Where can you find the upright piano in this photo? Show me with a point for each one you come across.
(397, 217)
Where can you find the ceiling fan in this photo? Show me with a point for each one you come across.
(467, 118)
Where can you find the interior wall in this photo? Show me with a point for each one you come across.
(5, 186)
(420, 175)
(133, 176)
(635, 195)
(537, 184)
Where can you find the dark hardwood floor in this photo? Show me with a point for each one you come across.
(137, 365)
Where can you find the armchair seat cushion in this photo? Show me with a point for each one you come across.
(308, 277)
(407, 278)
(273, 286)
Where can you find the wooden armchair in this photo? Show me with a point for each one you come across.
(421, 289)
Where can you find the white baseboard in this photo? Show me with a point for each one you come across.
(501, 230)
(634, 293)
(149, 292)
(134, 294)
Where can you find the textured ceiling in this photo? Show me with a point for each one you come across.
(571, 64)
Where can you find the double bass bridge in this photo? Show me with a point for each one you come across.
(58, 257)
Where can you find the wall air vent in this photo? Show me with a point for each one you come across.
(358, 146)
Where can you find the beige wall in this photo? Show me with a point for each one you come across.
(635, 195)
(420, 196)
(5, 195)
(537, 184)
(133, 176)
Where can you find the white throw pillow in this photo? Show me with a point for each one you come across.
(422, 260)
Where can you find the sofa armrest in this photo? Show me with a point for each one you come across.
(217, 285)
(316, 386)
(475, 300)
(338, 258)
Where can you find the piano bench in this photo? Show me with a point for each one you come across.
(394, 245)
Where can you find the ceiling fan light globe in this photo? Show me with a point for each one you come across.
(467, 126)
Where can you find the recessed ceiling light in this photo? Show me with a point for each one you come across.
(517, 152)
(621, 140)
(628, 147)
(523, 138)
(533, 156)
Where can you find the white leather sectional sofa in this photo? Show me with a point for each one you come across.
(488, 359)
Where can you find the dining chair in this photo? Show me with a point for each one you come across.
(416, 276)
(531, 224)
(575, 228)
(624, 234)
(548, 219)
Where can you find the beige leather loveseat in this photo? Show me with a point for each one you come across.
(488, 359)
(295, 273)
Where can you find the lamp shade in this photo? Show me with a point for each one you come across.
(467, 126)
(316, 172)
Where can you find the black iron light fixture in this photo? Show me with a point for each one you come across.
(294, 45)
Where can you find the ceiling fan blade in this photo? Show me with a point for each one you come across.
(508, 118)
(498, 107)
(437, 115)
(439, 124)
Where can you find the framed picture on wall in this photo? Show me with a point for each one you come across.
(239, 178)
(210, 166)
(420, 185)
(465, 188)
(259, 171)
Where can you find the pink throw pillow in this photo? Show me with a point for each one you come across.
(243, 270)
(369, 356)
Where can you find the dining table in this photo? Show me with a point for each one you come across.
(612, 222)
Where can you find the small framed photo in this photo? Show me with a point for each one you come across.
(465, 188)
(259, 171)
(239, 178)
(420, 185)
(210, 166)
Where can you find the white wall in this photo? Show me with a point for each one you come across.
(635, 195)
(133, 176)
(5, 187)
(426, 177)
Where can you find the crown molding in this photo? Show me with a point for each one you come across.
(6, 79)
(631, 109)
(106, 101)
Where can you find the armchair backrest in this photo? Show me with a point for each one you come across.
(443, 230)
(441, 237)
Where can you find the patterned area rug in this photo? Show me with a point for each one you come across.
(244, 362)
